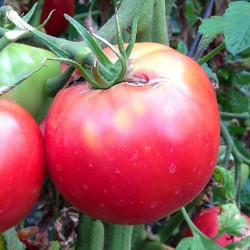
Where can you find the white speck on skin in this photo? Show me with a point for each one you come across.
(172, 168)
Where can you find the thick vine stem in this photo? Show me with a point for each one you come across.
(118, 237)
(90, 234)
(153, 28)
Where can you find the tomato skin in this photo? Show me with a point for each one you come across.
(17, 61)
(22, 163)
(57, 23)
(206, 221)
(133, 154)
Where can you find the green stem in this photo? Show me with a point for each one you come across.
(168, 228)
(193, 228)
(126, 12)
(90, 235)
(244, 115)
(153, 28)
(211, 54)
(230, 143)
(118, 237)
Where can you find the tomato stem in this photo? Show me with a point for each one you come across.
(193, 228)
(118, 237)
(211, 54)
(90, 235)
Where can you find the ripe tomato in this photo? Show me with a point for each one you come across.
(132, 154)
(22, 164)
(17, 61)
(57, 24)
(207, 222)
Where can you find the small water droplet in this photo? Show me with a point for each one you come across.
(120, 202)
(78, 169)
(134, 156)
(85, 187)
(91, 165)
(172, 168)
(117, 171)
(178, 191)
(211, 163)
(1, 211)
(171, 150)
(60, 179)
(102, 205)
(154, 204)
(58, 167)
(105, 191)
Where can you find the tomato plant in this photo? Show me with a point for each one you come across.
(207, 222)
(22, 164)
(132, 154)
(57, 24)
(17, 61)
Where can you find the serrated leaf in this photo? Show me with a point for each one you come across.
(197, 243)
(241, 244)
(237, 27)
(226, 180)
(231, 221)
(212, 26)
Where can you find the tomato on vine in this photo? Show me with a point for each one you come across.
(207, 222)
(22, 163)
(19, 60)
(140, 150)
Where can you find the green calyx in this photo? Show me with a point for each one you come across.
(101, 73)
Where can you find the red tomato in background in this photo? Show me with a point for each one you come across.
(57, 23)
(22, 163)
(207, 222)
(133, 154)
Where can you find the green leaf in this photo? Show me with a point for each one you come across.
(231, 221)
(2, 243)
(226, 180)
(210, 73)
(182, 47)
(237, 27)
(12, 241)
(241, 244)
(197, 243)
(54, 245)
(212, 26)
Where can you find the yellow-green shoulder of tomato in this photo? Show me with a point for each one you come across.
(16, 62)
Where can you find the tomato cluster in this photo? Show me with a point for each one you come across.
(130, 154)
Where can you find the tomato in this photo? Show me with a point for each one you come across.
(17, 61)
(133, 153)
(22, 163)
(207, 222)
(57, 24)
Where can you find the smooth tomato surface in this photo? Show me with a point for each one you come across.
(19, 60)
(207, 222)
(57, 24)
(133, 154)
(22, 163)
